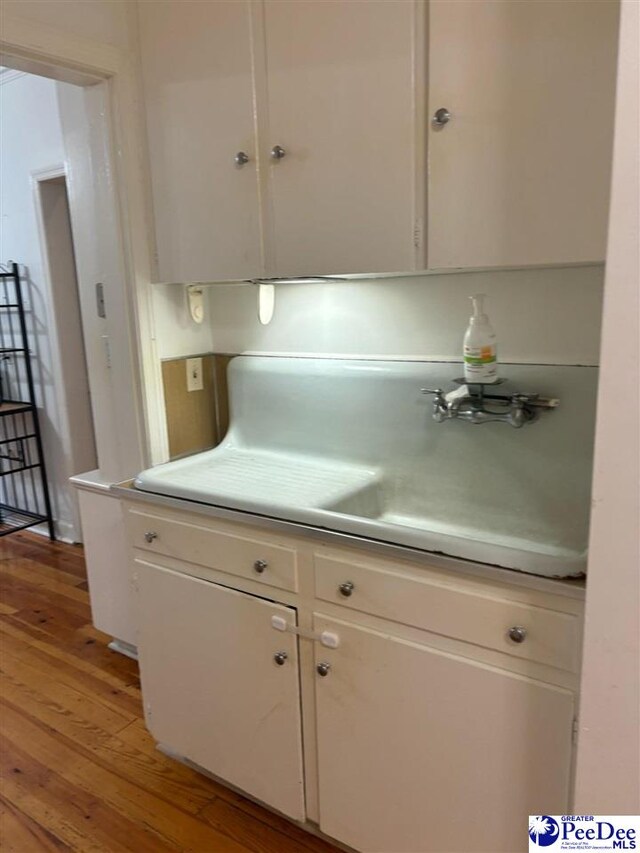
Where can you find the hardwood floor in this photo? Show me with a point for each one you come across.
(78, 770)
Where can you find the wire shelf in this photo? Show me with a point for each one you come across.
(24, 490)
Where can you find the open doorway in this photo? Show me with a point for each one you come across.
(69, 367)
(59, 224)
(35, 233)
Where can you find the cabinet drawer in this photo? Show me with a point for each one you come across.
(473, 616)
(254, 559)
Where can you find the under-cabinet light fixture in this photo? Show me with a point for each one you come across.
(266, 293)
(196, 303)
(266, 302)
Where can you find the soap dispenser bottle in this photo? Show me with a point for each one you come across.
(479, 350)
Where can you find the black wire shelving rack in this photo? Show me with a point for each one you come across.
(24, 490)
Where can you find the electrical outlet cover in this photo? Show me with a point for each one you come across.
(194, 374)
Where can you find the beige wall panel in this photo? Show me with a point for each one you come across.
(191, 415)
(196, 420)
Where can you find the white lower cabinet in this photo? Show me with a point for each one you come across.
(213, 690)
(422, 750)
(438, 707)
(108, 566)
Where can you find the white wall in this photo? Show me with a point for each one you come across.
(31, 140)
(99, 257)
(90, 19)
(541, 315)
(608, 766)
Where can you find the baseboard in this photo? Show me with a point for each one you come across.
(64, 530)
(123, 648)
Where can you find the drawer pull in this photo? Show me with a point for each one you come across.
(150, 535)
(323, 669)
(260, 565)
(280, 658)
(346, 588)
(517, 634)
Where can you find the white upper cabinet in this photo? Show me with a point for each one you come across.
(344, 91)
(334, 84)
(520, 174)
(198, 85)
(346, 105)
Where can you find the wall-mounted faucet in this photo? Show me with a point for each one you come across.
(477, 407)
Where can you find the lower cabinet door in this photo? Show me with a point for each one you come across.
(421, 750)
(220, 685)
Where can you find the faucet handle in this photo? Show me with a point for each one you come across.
(545, 402)
(535, 400)
(439, 403)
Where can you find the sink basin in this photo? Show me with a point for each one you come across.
(513, 533)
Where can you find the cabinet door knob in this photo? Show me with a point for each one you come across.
(241, 158)
(150, 535)
(280, 658)
(441, 117)
(517, 634)
(260, 565)
(323, 668)
(278, 152)
(346, 588)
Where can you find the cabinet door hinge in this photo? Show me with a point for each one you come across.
(418, 228)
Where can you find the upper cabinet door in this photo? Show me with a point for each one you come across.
(347, 107)
(520, 173)
(197, 72)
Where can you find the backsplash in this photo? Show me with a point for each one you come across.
(541, 316)
(547, 315)
(196, 420)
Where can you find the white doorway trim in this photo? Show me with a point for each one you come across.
(29, 46)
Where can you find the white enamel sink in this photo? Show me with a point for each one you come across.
(351, 446)
(501, 535)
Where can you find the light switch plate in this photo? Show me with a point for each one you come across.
(194, 374)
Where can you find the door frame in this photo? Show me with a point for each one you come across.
(39, 49)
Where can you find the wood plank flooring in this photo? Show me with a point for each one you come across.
(78, 769)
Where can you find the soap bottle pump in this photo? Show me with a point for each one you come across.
(479, 350)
